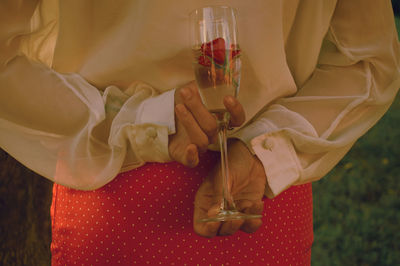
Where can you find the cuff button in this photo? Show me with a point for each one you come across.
(268, 144)
(151, 132)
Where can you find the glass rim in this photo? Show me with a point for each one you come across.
(191, 13)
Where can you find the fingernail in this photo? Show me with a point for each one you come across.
(192, 162)
(231, 101)
(186, 93)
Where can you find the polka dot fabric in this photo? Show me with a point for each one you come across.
(144, 217)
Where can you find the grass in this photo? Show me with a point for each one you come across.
(357, 205)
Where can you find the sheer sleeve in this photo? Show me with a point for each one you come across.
(58, 124)
(300, 138)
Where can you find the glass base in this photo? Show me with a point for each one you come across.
(229, 216)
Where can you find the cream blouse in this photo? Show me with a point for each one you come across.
(86, 86)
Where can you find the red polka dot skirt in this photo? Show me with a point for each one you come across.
(144, 217)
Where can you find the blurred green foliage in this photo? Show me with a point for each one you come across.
(357, 205)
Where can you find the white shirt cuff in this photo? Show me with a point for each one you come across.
(155, 120)
(158, 110)
(279, 158)
(276, 152)
(150, 142)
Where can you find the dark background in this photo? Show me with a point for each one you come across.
(356, 206)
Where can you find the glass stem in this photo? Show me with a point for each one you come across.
(227, 203)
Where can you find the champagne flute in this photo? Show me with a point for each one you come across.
(217, 70)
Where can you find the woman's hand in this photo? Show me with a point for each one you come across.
(196, 127)
(248, 187)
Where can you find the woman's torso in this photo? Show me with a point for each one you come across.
(125, 41)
